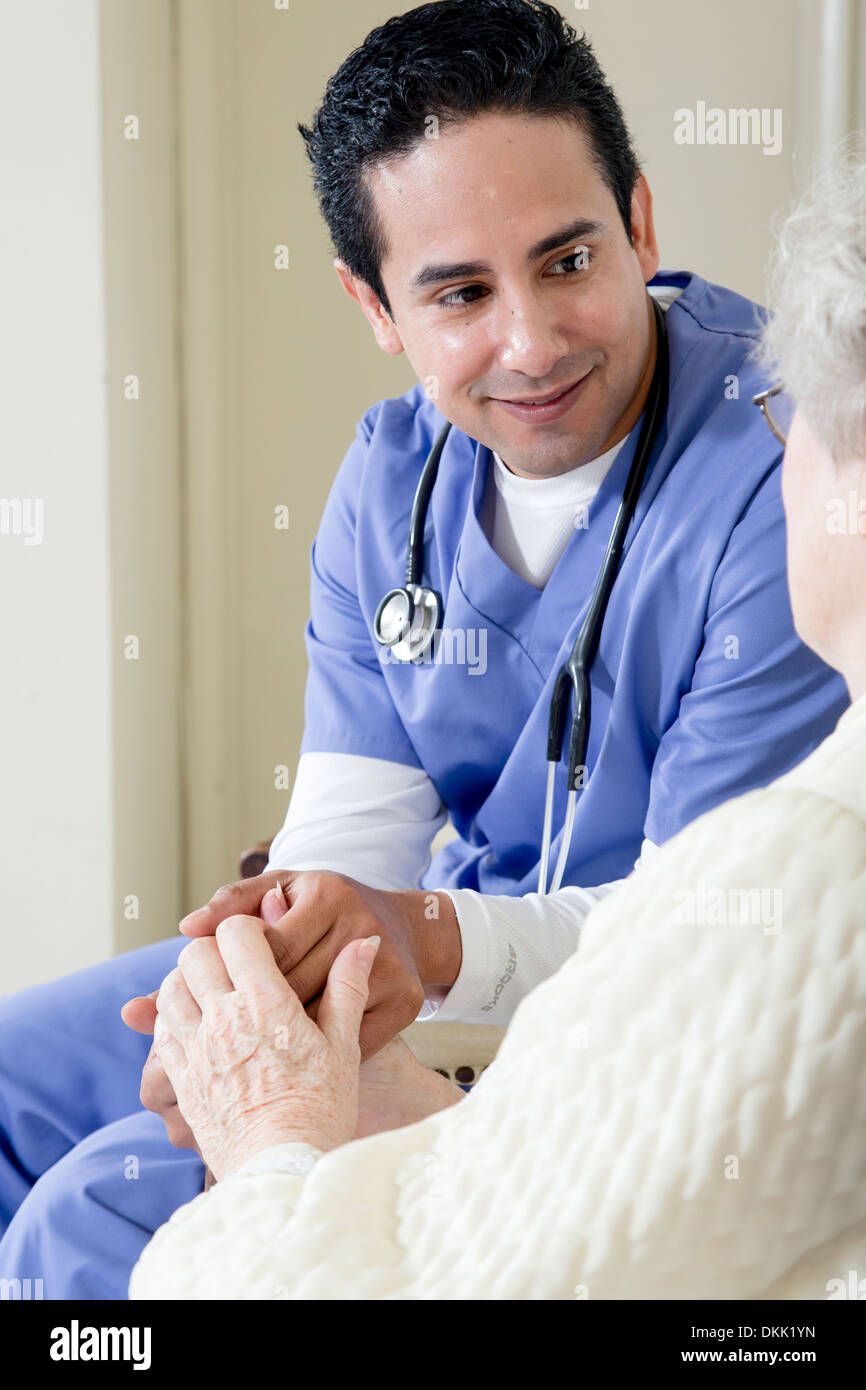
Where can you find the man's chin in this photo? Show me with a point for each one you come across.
(542, 459)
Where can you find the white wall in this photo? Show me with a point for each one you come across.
(55, 710)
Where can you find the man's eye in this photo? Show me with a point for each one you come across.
(452, 300)
(577, 260)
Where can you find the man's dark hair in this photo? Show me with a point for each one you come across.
(453, 59)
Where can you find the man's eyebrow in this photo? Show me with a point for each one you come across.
(579, 230)
(575, 231)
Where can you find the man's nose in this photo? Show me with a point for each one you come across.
(529, 338)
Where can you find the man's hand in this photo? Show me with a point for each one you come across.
(323, 912)
(320, 913)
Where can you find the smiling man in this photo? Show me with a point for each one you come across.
(491, 221)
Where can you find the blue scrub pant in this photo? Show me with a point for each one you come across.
(86, 1174)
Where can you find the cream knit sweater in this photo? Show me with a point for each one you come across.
(679, 1112)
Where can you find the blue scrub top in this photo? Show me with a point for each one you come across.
(701, 688)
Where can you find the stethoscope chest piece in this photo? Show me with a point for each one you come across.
(407, 620)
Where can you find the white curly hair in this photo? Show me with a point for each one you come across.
(815, 339)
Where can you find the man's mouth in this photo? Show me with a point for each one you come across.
(551, 406)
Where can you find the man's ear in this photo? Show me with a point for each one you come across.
(372, 308)
(643, 232)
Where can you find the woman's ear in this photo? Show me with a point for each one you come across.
(371, 306)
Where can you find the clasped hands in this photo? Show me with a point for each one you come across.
(279, 1023)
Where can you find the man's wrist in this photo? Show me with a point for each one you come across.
(434, 934)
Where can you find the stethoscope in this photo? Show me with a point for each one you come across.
(408, 619)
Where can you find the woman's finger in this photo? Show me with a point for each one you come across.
(345, 995)
(176, 1007)
(204, 971)
(250, 962)
(169, 1050)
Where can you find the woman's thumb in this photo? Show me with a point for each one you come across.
(346, 992)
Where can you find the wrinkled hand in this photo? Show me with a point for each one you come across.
(342, 911)
(396, 1090)
(157, 1093)
(248, 1066)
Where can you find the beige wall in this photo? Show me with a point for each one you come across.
(251, 381)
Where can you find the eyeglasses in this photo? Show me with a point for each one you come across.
(779, 419)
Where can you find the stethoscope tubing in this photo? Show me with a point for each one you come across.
(415, 548)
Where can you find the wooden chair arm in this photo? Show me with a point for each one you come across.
(254, 860)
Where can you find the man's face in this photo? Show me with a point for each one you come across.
(492, 299)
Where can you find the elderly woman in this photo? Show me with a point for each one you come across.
(680, 1112)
